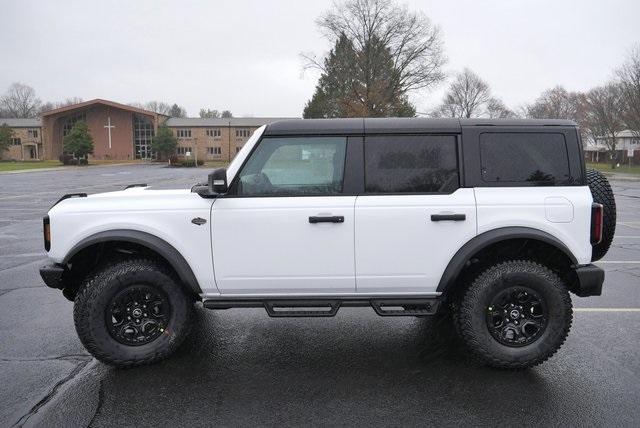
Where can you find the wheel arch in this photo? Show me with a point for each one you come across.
(465, 255)
(145, 240)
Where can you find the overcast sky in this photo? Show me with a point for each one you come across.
(244, 55)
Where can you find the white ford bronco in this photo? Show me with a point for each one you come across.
(496, 221)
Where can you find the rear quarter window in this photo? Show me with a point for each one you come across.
(534, 158)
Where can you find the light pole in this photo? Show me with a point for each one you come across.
(195, 143)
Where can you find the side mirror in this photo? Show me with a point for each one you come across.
(218, 181)
(216, 184)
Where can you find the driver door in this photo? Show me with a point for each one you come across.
(287, 226)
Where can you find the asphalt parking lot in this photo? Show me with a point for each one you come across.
(242, 368)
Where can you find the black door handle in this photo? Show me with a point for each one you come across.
(448, 217)
(327, 219)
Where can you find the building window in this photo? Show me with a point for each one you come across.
(143, 134)
(215, 133)
(238, 149)
(183, 150)
(16, 141)
(70, 121)
(214, 150)
(243, 133)
(32, 133)
(183, 133)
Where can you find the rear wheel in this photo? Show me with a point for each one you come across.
(132, 313)
(515, 315)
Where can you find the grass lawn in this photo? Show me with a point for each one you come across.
(623, 169)
(215, 164)
(18, 165)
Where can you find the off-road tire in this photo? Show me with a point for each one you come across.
(602, 194)
(470, 314)
(95, 294)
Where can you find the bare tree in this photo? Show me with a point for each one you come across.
(209, 114)
(558, 103)
(497, 110)
(470, 96)
(414, 44)
(20, 101)
(604, 109)
(59, 104)
(629, 75)
(158, 107)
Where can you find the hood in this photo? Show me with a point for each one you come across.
(133, 199)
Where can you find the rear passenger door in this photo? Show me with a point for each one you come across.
(413, 215)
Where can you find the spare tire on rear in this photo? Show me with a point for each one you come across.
(602, 194)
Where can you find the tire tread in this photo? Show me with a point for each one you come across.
(91, 289)
(467, 304)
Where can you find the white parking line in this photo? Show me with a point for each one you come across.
(606, 309)
(620, 262)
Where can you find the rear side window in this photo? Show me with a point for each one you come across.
(539, 158)
(411, 164)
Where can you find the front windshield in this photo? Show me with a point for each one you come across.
(235, 165)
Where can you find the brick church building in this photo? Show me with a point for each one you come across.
(123, 132)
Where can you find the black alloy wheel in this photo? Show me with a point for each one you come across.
(137, 315)
(517, 316)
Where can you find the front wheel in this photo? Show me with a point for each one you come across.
(132, 313)
(515, 315)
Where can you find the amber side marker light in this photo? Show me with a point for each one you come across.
(597, 220)
(46, 229)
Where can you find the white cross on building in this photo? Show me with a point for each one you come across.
(109, 126)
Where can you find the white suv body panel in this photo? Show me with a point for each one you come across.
(267, 245)
(399, 249)
(166, 214)
(387, 244)
(563, 212)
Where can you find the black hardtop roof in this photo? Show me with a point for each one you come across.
(395, 125)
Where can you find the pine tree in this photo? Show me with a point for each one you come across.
(78, 141)
(164, 143)
(358, 84)
(6, 134)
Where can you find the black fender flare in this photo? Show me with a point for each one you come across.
(158, 245)
(476, 244)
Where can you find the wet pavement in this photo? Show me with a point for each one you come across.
(242, 368)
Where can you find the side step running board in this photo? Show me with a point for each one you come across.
(318, 307)
(302, 308)
(404, 307)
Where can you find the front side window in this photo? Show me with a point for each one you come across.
(537, 158)
(300, 166)
(411, 164)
